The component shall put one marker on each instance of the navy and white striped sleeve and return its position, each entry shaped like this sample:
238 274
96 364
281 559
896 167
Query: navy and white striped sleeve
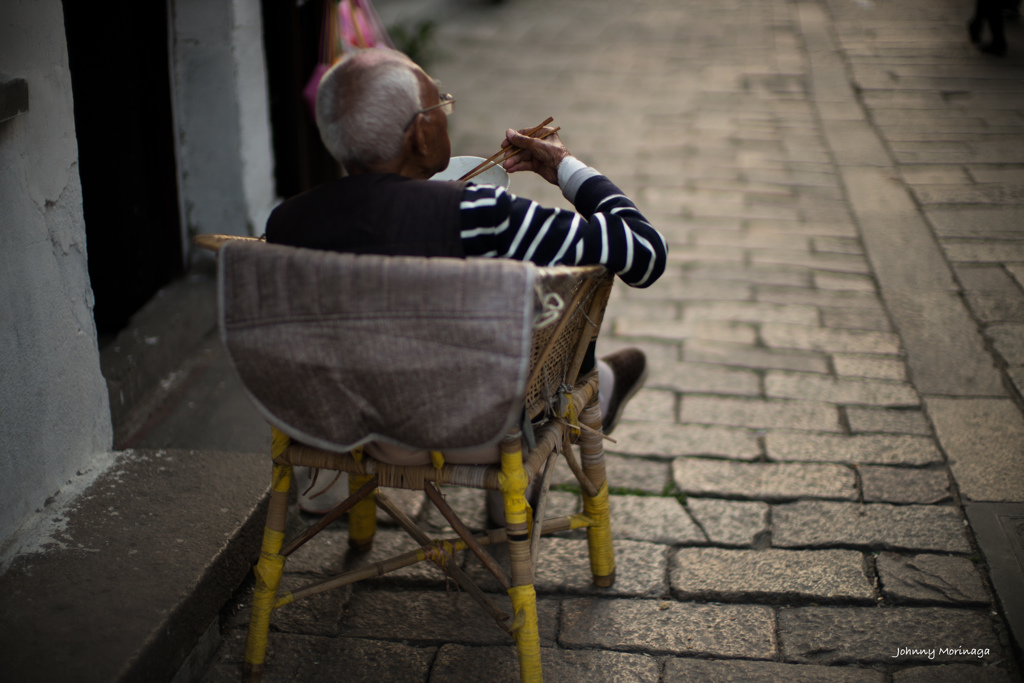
608 230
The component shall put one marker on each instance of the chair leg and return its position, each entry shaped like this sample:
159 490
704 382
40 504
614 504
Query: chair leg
362 518
268 573
599 534
524 597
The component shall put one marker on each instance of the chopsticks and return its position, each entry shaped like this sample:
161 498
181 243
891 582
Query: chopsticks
508 152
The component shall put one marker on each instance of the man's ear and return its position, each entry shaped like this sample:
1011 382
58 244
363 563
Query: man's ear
420 134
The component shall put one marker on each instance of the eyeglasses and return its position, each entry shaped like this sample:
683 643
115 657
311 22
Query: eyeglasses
447 105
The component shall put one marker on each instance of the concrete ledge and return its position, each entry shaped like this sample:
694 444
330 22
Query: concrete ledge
149 555
152 347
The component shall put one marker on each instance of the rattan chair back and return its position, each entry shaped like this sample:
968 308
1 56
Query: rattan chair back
337 350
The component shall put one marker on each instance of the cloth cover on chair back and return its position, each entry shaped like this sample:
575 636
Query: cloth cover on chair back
337 350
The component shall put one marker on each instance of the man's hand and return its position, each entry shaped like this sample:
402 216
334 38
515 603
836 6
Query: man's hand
540 156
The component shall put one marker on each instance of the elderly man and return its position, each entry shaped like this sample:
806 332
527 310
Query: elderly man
385 121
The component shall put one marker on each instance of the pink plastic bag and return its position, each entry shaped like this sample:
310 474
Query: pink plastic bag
309 92
348 25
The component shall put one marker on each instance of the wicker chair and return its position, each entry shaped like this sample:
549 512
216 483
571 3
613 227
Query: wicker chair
340 352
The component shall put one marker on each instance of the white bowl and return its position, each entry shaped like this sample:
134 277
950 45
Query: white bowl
459 166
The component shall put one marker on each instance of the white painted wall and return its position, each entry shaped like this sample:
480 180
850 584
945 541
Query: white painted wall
223 125
257 151
55 427
54 411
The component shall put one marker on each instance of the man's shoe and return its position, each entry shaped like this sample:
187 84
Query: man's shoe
629 367
997 49
974 31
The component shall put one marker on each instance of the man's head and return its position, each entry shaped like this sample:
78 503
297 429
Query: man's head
369 112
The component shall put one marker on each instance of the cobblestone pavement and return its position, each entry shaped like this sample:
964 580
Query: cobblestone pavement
837 179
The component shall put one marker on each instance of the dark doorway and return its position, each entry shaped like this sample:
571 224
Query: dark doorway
118 55
291 39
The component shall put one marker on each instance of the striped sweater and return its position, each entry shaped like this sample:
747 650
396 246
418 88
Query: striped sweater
607 228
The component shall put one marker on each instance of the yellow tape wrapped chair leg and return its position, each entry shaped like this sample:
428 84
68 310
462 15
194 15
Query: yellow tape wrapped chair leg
344 353
270 566
362 519
599 533
513 483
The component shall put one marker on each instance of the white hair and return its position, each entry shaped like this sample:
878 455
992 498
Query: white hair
363 104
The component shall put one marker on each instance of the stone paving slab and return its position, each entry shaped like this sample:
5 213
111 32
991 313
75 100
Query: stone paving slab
840 245
642 308
413 502
763 481
843 282
1006 337
317 615
877 367
456 664
984 252
708 330
669 441
982 438
830 340
632 473
467 504
692 289
652 405
770 575
641 569
656 519
679 670
730 522
435 618
991 293
975 221
562 504
865 420
753 274
931 578
846 390
1016 376
904 485
669 627
843 263
875 526
760 414
755 357
874 449
625 472
704 378
747 238
751 312
315 660
821 298
324 554
856 319
388 543
887 635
